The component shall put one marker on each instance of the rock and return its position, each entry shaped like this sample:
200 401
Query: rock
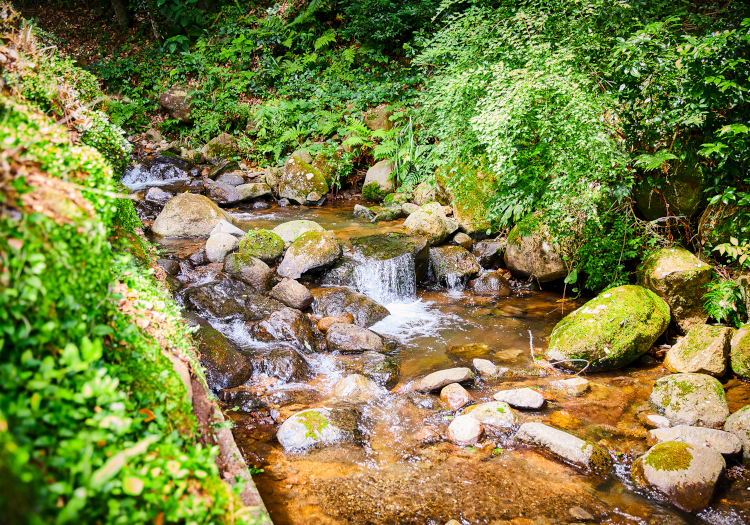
271 176
352 338
424 193
177 102
396 200
455 396
379 118
378 182
364 212
233 178
486 369
452 264
219 146
382 213
494 416
476 198
287 325
227 299
198 258
704 350
566 446
408 208
157 196
261 244
681 193
686 475
725 443
651 420
575 387
319 427
286 364
357 389
290 231
373 365
338 300
224 227
680 278
740 353
297 179
489 254
220 244
224 366
463 240
469 351
492 283
610 331
253 190
720 222
325 323
533 254
222 193
464 431
312 250
430 225
563 419
451 226
189 215
261 205
690 399
739 425
170 266
253 271
153 135
580 514
303 155
442 378
292 294
524 398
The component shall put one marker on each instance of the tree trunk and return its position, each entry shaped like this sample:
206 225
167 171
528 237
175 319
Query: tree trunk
121 12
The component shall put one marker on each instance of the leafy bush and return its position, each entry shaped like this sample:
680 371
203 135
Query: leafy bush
108 139
724 302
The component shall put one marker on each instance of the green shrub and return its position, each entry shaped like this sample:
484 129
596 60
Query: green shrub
109 139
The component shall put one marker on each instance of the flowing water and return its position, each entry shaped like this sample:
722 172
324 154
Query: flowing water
398 474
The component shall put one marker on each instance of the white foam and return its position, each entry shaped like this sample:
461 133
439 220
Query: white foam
415 320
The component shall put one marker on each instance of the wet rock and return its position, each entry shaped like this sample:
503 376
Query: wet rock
380 253
455 396
563 419
724 443
690 399
610 331
287 325
489 254
357 389
290 231
463 240
338 300
464 431
253 190
233 178
533 254
261 244
580 514
253 271
157 196
493 284
261 205
373 365
486 369
494 416
686 475
566 446
452 264
427 224
170 266
740 353
385 213
312 250
189 215
364 212
469 351
225 227
227 299
408 208
177 102
739 425
319 427
427 436
442 378
378 181
297 180
325 323
704 350
292 294
224 366
680 278
198 258
286 364
575 387
352 338
219 245
651 420
524 398
223 193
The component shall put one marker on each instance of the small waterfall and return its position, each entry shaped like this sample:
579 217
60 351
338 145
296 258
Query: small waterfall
453 282
156 172
386 281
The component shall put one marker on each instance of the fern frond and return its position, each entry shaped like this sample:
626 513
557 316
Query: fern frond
349 54
325 39
385 150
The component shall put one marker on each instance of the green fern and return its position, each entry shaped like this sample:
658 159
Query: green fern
385 150
349 54
325 39
724 302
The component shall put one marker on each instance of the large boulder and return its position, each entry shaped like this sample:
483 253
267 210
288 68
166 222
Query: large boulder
227 299
378 182
177 102
680 194
189 215
339 300
426 192
610 331
491 283
301 183
261 244
566 446
453 265
739 355
253 271
472 204
352 338
704 350
224 366
428 224
684 474
319 427
739 425
690 399
313 250
489 254
531 253
286 325
680 278
290 231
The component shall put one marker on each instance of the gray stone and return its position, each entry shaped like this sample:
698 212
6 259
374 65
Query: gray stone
228 299
486 369
290 231
494 416
287 325
464 431
292 293
233 178
219 146
312 250
566 446
442 378
189 215
373 365
177 102
319 427
408 208
489 254
724 443
224 227
451 226
335 300
364 212
690 399
352 338
704 350
157 196
170 266
739 425
286 364
253 271
253 190
220 244
740 352
575 387
492 284
525 398
380 174
153 135
452 264
430 225
463 240
224 366
297 179
357 388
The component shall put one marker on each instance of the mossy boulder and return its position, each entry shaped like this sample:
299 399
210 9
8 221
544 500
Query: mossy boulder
610 331
530 252
319 427
290 231
683 474
253 271
428 224
739 425
690 399
704 350
260 244
477 195
378 182
300 182
678 277
453 265
396 199
219 146
313 250
372 192
739 356
189 215
682 193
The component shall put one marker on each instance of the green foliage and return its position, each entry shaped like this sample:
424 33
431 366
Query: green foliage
735 251
109 139
724 302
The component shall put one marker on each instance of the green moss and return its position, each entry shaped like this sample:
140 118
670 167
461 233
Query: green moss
395 199
260 244
373 192
314 423
670 456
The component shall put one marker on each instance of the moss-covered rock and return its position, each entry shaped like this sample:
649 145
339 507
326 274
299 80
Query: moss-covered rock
312 250
739 425
690 399
225 367
290 231
530 252
261 244
189 215
740 353
378 182
610 331
319 427
678 277
704 350
253 271
372 192
472 191
679 194
299 182
396 199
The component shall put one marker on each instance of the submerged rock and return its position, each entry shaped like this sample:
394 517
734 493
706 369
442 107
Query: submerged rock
530 253
724 443
287 325
442 378
575 387
610 331
704 350
739 425
224 366
253 271
292 294
566 446
680 278
352 338
469 351
339 300
298 181
524 398
357 388
455 396
227 299
686 475
189 215
690 399
464 431
310 251
319 427
492 283
494 416
290 231
373 365
740 353
452 264
261 244
286 364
